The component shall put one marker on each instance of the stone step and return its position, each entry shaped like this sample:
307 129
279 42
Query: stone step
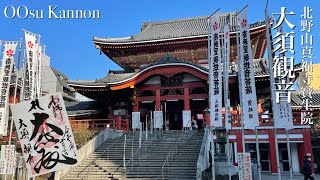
109 157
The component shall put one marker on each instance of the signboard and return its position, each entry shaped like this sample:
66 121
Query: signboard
158 119
7 159
244 166
44 131
135 120
186 116
200 116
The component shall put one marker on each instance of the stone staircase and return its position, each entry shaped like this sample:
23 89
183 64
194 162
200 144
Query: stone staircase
104 163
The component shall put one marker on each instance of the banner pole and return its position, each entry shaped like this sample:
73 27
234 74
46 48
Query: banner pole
289 153
239 81
15 90
212 155
277 153
210 94
146 127
258 153
228 155
23 75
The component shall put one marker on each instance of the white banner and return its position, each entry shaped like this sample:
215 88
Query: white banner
247 81
282 112
135 120
215 74
7 159
31 66
226 76
158 119
38 72
244 166
45 135
5 78
186 116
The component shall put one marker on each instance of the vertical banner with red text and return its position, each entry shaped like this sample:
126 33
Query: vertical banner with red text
247 81
248 93
215 74
6 70
226 75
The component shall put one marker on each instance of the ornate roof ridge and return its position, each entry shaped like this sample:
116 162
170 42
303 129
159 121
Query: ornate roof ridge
167 59
173 29
174 20
195 18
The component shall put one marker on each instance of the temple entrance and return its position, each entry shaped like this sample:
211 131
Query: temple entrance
173 119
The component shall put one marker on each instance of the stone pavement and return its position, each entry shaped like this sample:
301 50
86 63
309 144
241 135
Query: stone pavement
286 176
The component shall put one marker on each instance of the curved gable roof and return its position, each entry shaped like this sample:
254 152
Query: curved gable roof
171 29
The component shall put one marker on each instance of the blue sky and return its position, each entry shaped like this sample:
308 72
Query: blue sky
69 42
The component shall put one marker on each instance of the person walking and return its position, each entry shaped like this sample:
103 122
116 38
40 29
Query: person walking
199 124
306 170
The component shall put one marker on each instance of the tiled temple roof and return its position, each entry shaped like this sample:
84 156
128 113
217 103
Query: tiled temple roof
178 28
87 83
115 76
62 78
260 69
297 98
81 108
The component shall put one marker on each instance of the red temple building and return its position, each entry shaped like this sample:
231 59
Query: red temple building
165 67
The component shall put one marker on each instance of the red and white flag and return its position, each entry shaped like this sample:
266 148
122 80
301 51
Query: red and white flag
247 81
6 69
215 74
282 112
30 66
226 59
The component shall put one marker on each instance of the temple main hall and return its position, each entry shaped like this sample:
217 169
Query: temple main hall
165 68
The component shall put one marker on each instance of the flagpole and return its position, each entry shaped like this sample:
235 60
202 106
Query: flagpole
15 91
258 153
289 153
239 81
225 88
210 94
274 108
277 153
228 155
38 68
24 68
238 12
14 100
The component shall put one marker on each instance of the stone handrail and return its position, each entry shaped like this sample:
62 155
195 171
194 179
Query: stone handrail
88 148
203 159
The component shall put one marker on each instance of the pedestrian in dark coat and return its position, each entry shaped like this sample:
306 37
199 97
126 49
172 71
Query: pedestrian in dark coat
306 170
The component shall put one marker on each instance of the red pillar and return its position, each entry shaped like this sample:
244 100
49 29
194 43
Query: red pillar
273 155
301 154
207 116
186 99
119 123
136 106
239 141
158 102
136 101
307 145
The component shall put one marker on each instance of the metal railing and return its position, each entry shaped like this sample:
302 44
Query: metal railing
173 150
94 161
203 159
134 154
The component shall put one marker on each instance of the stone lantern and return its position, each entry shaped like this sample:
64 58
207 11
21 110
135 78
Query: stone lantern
221 134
